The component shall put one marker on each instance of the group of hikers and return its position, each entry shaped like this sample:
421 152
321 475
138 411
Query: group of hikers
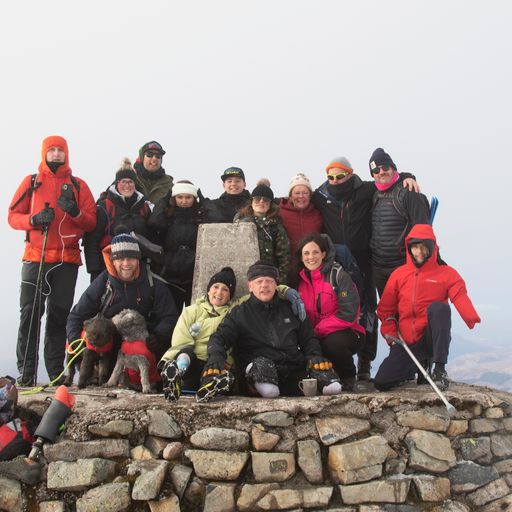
324 254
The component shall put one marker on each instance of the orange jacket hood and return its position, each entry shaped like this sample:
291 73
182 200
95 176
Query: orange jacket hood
50 142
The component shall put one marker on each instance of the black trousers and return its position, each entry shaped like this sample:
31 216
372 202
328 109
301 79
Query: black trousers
433 347
56 296
339 347
381 275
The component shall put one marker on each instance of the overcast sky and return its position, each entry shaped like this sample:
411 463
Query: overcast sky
275 87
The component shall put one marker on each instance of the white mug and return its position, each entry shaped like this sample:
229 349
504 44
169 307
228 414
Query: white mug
308 387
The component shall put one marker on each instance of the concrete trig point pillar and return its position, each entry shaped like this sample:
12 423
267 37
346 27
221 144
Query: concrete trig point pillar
224 245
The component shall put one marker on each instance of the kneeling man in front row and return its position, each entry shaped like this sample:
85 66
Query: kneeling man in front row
273 350
414 306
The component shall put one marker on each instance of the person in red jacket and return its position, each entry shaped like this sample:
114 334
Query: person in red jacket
415 306
55 202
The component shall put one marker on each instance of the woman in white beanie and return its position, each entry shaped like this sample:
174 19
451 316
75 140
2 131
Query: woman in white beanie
175 221
300 217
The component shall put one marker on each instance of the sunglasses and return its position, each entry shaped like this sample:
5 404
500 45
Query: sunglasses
341 175
150 154
259 199
379 168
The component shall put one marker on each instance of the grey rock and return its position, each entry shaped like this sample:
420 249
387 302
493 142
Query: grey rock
501 445
272 467
274 419
424 419
173 451
114 428
451 506
150 477
105 498
494 412
477 449
195 493
317 496
492 491
163 425
214 438
169 504
468 476
79 475
392 490
395 466
252 493
503 466
71 451
429 451
180 476
11 498
507 424
281 499
214 465
219 498
358 461
156 445
501 505
334 429
457 427
484 425
309 460
263 441
286 444
52 506
432 488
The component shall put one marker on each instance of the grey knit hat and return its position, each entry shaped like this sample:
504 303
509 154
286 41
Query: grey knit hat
124 246
262 269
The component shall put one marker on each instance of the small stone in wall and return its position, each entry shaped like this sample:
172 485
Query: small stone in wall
281 499
116 495
214 465
467 476
252 493
263 441
501 445
501 505
477 449
272 467
71 451
507 424
169 504
395 466
274 419
141 453
151 475
180 476
219 498
173 451
156 445
162 424
457 427
429 451
494 412
215 438
316 497
492 491
484 425
52 506
424 419
432 488
11 498
309 459
114 428
451 506
391 490
334 429
503 466
195 493
77 476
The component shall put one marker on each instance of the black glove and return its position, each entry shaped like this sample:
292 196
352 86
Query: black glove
213 367
68 205
319 363
43 218
292 296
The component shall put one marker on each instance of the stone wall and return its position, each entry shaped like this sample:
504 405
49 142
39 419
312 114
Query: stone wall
355 452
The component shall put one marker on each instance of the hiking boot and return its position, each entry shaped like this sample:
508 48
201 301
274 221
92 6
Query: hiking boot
22 469
349 383
171 381
421 379
220 384
25 381
363 369
440 377
58 381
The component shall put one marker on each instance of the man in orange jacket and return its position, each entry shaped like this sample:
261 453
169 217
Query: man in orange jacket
414 305
55 209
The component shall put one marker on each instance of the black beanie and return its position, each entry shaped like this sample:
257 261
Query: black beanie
225 276
262 269
380 157
263 191
126 171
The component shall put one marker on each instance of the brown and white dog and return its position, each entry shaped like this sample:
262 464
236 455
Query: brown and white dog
136 364
99 353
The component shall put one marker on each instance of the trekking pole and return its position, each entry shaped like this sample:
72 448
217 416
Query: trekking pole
449 407
37 297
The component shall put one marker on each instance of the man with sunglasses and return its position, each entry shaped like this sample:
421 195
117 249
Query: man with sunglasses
345 202
151 178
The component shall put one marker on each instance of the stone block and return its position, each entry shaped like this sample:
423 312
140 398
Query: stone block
180 476
395 466
219 498
360 459
494 413
309 460
250 494
11 497
317 497
334 429
476 448
52 506
501 445
501 505
79 475
507 424
150 477
169 504
141 453
424 420
451 506
223 241
107 498
274 419
391 490
484 425
432 488
114 428
503 466
214 465
457 427
71 451
156 445
214 438
429 451
467 476
492 491
173 451
195 493
263 441
281 499
272 467
162 424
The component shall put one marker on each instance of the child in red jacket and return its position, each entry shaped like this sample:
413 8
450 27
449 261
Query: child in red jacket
414 305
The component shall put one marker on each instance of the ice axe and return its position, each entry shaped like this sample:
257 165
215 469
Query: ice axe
449 407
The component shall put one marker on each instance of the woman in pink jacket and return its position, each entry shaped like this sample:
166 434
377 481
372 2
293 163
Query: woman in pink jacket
332 304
